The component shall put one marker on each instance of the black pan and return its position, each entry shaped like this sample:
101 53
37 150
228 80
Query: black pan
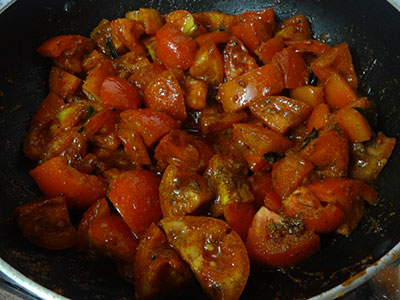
371 27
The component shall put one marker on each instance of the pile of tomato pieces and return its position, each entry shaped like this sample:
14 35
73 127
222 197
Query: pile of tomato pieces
196 144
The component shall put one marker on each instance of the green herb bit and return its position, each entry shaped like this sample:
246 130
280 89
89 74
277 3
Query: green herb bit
312 136
111 49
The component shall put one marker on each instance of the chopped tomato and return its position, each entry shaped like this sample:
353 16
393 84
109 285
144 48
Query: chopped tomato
252 86
271 242
296 28
158 270
174 48
312 46
151 124
46 223
95 79
215 253
208 64
312 95
267 16
213 119
289 173
218 37
269 48
117 93
294 69
135 196
319 118
280 113
252 33
337 92
239 217
63 83
165 94
183 192
97 210
110 236
55 177
183 20
134 146
263 190
142 77
195 92
215 20
354 124
129 32
152 20
316 217
237 59
182 149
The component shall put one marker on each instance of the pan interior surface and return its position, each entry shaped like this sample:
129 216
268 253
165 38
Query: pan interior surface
368 26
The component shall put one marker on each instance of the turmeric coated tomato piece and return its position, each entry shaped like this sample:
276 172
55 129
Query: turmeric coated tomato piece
95 79
277 242
110 236
118 93
183 192
195 92
214 119
214 251
268 49
134 146
208 64
218 37
174 48
164 94
310 46
97 210
62 83
319 117
280 113
182 149
229 183
55 177
237 59
250 87
151 124
215 20
129 32
337 92
267 16
312 95
46 223
239 216
252 33
158 269
295 29
134 194
183 20
354 124
264 192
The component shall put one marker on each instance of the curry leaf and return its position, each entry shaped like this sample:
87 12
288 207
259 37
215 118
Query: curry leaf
313 135
111 48
89 114
273 157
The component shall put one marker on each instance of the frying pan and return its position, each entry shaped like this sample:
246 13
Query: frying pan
369 26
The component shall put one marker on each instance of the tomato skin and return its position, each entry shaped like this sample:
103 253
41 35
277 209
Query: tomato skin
338 93
268 49
312 46
320 116
252 33
354 125
239 216
295 29
218 37
63 83
277 248
117 93
55 177
151 124
46 223
112 237
164 94
135 196
134 146
174 48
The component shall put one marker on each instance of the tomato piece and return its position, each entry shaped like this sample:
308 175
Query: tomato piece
294 69
239 216
280 113
208 64
215 253
369 159
252 86
272 243
267 16
144 75
117 93
354 124
216 20
289 173
151 124
55 46
237 59
316 217
135 196
338 93
129 32
97 210
347 194
269 48
102 122
296 28
183 20
213 119
218 37
165 94
311 46
252 33
174 48
229 182
330 152
104 36
312 95
134 146
110 236
95 79
182 149
158 270
195 92
152 20
63 83
259 139
92 60
38 137
319 118
55 177
46 223
183 192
